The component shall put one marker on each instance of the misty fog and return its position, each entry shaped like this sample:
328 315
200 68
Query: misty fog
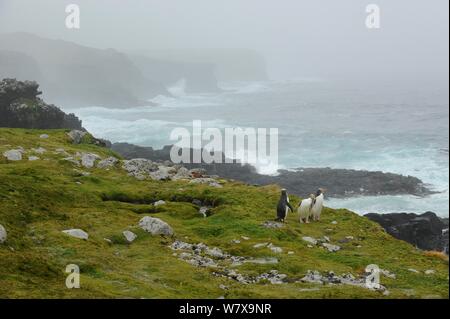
298 39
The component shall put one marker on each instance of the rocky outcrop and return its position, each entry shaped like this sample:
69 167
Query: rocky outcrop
426 231
20 107
301 182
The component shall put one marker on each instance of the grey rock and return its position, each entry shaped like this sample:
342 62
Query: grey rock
129 236
13 155
275 249
76 136
331 247
77 233
310 240
107 162
44 136
3 234
39 150
180 245
88 159
159 203
155 226
33 158
271 224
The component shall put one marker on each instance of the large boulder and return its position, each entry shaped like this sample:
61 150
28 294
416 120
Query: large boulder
155 226
3 234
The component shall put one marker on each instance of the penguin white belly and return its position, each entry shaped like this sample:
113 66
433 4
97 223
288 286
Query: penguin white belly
305 208
287 207
316 210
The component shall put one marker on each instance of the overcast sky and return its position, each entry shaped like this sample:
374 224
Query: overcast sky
299 38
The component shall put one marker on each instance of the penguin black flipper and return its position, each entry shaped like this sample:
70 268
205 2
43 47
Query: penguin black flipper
290 206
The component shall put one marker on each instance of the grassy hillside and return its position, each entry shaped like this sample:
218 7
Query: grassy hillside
39 199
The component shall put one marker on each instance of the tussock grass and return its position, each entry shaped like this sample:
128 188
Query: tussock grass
40 199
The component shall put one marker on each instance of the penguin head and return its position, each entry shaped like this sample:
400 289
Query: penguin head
320 191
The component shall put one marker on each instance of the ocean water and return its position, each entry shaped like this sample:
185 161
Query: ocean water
321 124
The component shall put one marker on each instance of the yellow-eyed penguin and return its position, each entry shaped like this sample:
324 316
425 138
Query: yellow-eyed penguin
304 210
316 210
283 206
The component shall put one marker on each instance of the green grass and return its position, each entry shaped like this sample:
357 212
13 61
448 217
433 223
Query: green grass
40 199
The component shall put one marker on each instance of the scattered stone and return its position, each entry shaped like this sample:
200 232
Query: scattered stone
108 162
272 224
215 252
109 241
275 249
204 211
155 226
159 203
331 248
3 234
72 160
310 240
177 245
414 270
139 167
210 181
223 287
77 233
33 158
183 173
334 222
129 236
245 238
13 155
162 174
430 272
236 241
39 150
44 136
76 136
388 274
197 260
88 159
262 261
316 277
290 252
260 245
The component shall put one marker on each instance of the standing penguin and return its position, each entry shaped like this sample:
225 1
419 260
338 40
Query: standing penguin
316 209
283 206
304 210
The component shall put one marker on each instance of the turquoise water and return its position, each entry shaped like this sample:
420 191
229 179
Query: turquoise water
321 124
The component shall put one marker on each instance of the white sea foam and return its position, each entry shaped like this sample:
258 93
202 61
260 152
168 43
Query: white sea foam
319 126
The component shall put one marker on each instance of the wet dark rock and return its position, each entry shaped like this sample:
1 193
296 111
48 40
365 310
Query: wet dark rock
340 183
21 107
426 231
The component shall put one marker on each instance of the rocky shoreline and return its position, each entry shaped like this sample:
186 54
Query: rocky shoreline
340 183
425 231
